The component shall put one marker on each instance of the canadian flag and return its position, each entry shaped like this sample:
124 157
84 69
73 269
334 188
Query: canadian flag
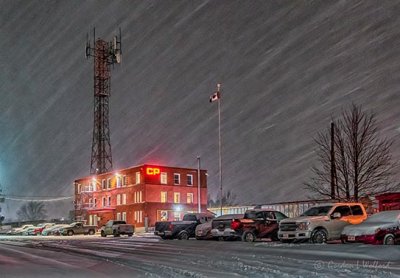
215 96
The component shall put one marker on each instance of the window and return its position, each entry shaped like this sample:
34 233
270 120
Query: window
118 216
90 202
103 184
177 178
189 198
108 183
94 203
118 178
124 199
163 196
177 216
344 210
177 197
357 210
163 178
104 201
139 216
118 199
124 180
189 179
137 177
78 188
137 197
124 216
109 200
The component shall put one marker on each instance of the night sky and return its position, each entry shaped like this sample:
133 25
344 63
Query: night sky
286 68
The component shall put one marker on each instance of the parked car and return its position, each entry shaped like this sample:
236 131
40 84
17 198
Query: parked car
20 230
380 228
38 230
77 228
117 228
53 230
203 231
184 229
227 227
261 223
321 223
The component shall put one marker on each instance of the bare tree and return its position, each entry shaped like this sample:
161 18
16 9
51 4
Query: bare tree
362 160
228 199
32 211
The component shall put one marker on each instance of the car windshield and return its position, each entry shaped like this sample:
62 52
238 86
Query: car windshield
253 214
189 217
386 216
317 211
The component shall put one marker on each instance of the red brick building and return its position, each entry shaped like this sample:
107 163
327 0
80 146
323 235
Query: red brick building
139 195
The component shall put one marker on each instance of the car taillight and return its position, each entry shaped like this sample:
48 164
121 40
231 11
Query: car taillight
236 224
170 227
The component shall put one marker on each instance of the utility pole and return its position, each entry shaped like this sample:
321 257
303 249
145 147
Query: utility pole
333 162
198 185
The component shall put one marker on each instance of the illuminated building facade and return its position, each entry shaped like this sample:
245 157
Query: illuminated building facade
139 195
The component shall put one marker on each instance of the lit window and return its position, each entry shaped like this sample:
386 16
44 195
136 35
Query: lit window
140 197
124 199
94 202
163 178
135 197
90 202
108 183
118 216
177 178
177 197
103 184
124 216
118 178
189 179
124 180
104 201
163 197
109 200
118 199
137 177
189 198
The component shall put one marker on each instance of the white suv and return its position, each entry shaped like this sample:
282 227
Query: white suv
321 223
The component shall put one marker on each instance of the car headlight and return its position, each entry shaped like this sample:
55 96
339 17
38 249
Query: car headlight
303 225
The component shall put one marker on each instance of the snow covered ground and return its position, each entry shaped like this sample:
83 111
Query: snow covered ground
148 256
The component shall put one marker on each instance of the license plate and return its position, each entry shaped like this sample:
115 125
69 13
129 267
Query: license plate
285 235
351 238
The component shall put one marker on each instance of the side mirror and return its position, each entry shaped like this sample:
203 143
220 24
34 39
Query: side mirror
336 215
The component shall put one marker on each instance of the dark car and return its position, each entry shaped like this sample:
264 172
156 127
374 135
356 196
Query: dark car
184 229
380 228
227 226
261 223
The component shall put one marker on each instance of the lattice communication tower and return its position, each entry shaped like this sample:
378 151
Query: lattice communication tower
105 54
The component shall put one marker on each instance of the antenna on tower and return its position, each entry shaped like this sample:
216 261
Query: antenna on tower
104 55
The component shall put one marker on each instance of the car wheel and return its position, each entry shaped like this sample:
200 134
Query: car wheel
91 232
103 234
389 239
249 237
184 236
319 236
70 233
275 237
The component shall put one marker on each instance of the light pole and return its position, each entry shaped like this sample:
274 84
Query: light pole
198 184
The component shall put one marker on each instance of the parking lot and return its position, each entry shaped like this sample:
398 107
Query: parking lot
145 255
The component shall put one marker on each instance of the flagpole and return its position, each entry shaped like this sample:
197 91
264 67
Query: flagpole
219 144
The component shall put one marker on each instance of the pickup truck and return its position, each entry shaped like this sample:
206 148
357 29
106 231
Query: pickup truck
184 229
77 228
117 228
321 223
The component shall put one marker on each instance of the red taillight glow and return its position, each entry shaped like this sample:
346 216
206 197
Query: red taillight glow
236 224
171 227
